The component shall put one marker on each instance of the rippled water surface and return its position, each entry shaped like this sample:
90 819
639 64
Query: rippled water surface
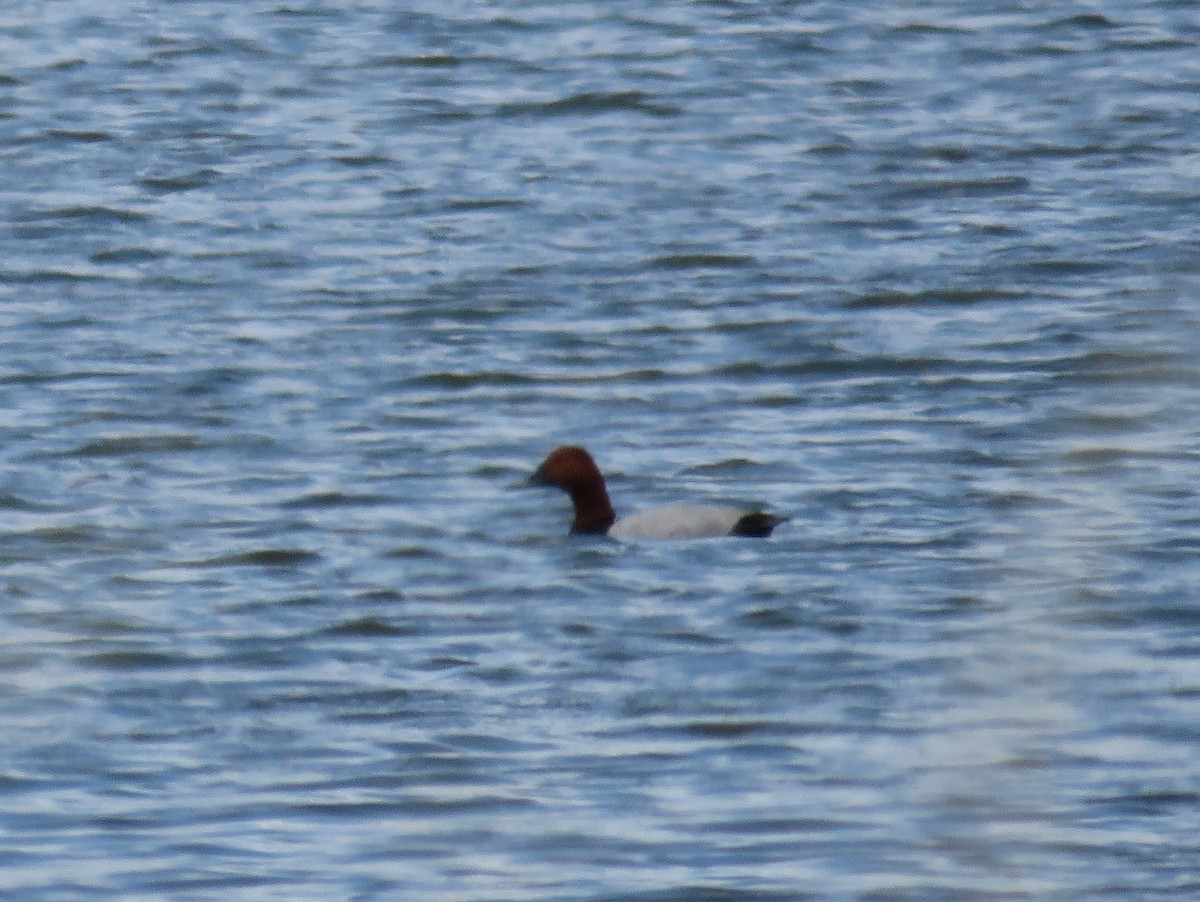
293 292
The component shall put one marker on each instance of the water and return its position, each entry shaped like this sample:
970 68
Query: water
293 292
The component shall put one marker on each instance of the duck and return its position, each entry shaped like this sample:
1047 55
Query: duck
573 469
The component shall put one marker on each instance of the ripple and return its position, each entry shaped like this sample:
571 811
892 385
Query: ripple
264 557
591 103
182 181
83 136
700 261
369 627
13 502
883 300
92 215
331 499
127 255
125 445
770 619
133 660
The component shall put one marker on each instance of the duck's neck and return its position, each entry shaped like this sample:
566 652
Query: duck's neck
593 510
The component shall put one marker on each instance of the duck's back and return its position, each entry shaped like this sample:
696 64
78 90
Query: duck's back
687 521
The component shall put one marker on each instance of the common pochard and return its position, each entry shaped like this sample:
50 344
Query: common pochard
573 470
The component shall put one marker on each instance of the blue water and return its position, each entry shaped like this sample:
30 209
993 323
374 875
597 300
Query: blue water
293 292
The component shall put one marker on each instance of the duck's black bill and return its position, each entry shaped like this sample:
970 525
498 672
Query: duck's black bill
537 479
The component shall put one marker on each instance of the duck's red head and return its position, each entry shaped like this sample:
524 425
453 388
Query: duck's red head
573 470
